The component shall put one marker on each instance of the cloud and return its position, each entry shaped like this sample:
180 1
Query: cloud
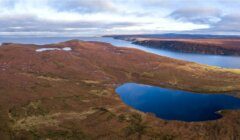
30 23
202 15
99 17
84 6
229 24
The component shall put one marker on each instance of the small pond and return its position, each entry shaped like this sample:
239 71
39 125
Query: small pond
172 104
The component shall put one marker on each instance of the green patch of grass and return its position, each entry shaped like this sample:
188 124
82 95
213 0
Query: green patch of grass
101 92
67 134
31 109
121 118
59 64
106 111
167 137
147 74
91 82
137 126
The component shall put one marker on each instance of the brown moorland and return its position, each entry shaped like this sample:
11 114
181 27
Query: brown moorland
70 94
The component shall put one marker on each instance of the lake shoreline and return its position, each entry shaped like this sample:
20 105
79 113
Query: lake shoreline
171 104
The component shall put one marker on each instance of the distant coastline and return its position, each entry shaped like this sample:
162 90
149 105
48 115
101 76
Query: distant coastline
201 44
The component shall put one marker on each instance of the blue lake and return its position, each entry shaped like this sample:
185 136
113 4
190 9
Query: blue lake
172 104
214 60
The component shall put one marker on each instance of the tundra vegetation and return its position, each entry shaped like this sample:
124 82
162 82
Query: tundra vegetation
71 94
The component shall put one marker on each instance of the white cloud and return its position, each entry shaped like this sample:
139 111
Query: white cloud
204 15
98 17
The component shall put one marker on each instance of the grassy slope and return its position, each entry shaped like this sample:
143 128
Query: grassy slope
70 95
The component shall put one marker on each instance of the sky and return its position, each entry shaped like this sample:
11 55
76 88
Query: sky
106 17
